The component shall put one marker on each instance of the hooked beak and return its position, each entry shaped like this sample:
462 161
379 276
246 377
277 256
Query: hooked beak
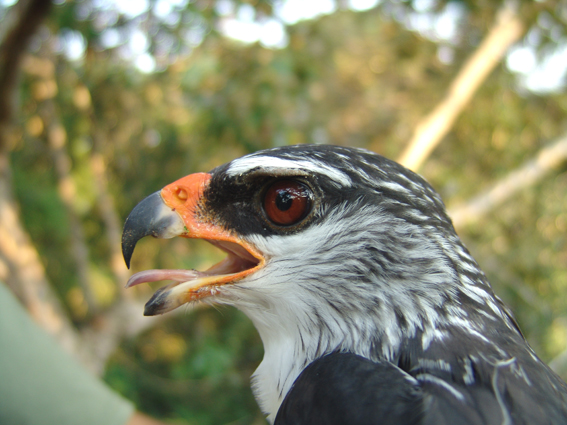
150 217
178 210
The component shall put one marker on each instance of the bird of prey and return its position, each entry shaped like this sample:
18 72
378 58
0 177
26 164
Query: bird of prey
370 308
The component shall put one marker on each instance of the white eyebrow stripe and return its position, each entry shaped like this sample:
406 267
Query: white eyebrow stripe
243 165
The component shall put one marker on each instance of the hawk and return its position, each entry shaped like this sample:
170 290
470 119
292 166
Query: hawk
370 308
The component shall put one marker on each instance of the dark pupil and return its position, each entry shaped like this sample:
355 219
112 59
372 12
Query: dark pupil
284 199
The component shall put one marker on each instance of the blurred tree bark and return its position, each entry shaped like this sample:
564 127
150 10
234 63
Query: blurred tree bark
507 29
20 266
20 24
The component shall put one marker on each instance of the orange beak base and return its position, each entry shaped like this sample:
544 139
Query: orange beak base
178 210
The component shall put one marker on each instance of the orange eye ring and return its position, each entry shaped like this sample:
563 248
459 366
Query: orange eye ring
287 202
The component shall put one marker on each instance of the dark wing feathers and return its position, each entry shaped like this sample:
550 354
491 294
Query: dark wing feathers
504 398
345 389
478 406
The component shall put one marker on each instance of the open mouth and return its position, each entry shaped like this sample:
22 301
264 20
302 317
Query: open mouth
193 285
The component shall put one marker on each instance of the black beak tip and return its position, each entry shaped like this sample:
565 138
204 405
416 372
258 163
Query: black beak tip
127 249
158 303
127 261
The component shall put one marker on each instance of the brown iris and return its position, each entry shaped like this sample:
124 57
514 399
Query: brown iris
287 202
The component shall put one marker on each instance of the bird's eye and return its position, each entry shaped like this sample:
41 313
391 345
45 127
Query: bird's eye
287 202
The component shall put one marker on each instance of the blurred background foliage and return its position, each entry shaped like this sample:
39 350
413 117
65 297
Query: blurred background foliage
116 101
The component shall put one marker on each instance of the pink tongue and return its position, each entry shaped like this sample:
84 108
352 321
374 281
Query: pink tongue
155 275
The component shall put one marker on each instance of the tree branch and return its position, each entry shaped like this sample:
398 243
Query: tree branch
20 24
22 271
429 132
547 160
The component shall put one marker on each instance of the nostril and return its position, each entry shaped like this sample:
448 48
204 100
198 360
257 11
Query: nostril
181 194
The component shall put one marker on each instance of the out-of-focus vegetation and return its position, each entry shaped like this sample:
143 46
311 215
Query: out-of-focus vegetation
94 134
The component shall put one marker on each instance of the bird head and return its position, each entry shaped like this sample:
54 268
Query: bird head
308 229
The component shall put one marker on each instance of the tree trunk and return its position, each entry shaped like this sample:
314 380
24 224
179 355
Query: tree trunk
20 266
